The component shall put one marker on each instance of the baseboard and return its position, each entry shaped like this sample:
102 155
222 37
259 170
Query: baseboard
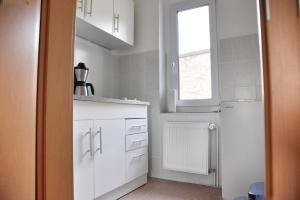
124 189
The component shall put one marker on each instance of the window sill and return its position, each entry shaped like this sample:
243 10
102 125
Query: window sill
196 109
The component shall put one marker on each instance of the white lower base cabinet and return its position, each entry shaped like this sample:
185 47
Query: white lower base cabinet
110 158
110 150
83 162
136 163
99 158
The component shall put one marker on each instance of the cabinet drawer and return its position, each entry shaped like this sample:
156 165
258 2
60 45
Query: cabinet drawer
136 163
136 126
136 141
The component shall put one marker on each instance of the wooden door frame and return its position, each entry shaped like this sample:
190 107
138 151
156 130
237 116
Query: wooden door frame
54 156
267 97
267 27
54 108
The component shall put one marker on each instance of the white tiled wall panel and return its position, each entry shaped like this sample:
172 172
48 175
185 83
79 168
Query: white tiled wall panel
240 73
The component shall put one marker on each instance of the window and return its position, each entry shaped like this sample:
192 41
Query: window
194 53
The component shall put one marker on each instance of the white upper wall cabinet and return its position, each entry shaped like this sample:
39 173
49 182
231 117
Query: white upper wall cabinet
80 9
109 23
100 14
124 20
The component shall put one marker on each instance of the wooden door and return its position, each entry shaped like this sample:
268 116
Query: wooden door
83 162
19 42
55 95
281 34
109 155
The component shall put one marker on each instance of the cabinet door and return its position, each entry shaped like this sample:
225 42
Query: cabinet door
136 163
109 156
100 14
80 8
83 160
124 20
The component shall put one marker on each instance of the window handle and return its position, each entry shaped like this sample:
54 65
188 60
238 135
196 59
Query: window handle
173 67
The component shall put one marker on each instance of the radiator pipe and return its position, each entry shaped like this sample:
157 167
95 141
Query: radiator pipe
217 171
214 127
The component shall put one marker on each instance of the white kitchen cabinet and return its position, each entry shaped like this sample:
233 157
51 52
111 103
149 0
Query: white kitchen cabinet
100 14
80 8
109 155
136 141
109 23
136 163
124 20
104 169
83 160
136 126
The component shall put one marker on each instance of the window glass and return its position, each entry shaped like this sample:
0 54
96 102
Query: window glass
195 81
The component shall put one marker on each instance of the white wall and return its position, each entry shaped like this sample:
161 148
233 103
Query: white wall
242 126
104 67
236 18
146 27
142 74
139 78
239 64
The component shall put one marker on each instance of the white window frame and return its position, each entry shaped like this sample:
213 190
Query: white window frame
214 101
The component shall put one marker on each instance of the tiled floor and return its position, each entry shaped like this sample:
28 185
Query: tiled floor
157 189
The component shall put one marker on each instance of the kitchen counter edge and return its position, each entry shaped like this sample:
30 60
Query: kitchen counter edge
109 100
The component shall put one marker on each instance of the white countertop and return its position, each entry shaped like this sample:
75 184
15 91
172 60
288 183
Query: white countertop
109 100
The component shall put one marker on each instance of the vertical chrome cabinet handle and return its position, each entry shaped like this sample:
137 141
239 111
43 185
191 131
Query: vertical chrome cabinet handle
91 8
116 22
101 146
80 5
91 142
100 139
90 12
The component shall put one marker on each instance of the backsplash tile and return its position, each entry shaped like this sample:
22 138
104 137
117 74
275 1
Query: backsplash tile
246 92
240 71
104 67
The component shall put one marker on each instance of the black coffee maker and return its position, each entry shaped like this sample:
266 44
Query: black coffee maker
80 84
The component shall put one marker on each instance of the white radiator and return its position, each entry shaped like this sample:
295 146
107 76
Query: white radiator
186 147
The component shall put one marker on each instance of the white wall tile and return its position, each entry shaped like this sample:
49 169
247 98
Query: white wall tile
240 71
245 93
104 67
